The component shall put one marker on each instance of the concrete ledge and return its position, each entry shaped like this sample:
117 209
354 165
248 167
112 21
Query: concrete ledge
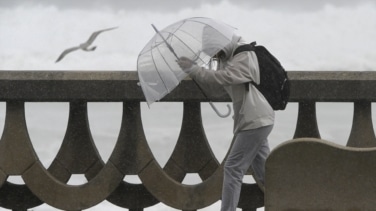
312 86
312 174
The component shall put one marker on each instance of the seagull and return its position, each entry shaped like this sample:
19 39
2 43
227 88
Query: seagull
84 46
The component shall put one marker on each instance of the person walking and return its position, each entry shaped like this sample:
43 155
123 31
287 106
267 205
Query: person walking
253 116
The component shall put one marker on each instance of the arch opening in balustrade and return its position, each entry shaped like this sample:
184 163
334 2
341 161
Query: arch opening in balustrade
46 121
284 125
2 117
334 121
192 179
218 131
249 179
16 179
105 120
162 124
77 179
132 179
373 110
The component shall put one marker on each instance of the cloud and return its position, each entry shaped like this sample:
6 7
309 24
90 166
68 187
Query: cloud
330 38
173 5
111 4
301 5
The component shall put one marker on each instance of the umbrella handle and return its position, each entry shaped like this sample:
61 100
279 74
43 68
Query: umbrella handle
218 113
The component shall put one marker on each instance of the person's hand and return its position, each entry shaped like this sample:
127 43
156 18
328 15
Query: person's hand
185 63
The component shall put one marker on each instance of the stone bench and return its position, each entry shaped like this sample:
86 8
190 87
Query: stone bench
313 174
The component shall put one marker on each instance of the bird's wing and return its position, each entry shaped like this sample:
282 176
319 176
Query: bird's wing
65 52
95 34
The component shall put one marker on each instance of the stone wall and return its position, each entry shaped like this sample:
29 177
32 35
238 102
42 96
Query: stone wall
132 155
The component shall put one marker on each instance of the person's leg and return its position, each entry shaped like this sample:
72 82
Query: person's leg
242 153
258 165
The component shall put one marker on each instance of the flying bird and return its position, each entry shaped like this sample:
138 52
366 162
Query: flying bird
84 46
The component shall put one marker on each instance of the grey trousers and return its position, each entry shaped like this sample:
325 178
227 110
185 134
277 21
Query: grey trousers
250 149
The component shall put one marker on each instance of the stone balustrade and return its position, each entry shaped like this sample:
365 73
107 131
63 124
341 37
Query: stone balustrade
132 156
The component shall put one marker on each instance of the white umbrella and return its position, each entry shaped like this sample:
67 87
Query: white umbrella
198 39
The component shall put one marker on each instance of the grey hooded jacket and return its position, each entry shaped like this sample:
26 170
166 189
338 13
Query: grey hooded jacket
251 110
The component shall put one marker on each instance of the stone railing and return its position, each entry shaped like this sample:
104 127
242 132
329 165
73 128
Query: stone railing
132 155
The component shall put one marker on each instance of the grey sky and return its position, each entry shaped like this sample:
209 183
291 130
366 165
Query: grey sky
171 5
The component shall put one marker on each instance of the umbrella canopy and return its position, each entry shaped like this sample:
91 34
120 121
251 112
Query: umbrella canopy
198 39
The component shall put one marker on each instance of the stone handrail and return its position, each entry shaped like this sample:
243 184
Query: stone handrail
132 155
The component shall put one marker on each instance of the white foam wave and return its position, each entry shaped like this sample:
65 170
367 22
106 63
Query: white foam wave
330 38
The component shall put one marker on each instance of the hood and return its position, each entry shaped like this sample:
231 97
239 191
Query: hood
213 41
230 48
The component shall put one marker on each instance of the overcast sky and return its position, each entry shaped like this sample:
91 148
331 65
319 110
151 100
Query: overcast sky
171 5
34 32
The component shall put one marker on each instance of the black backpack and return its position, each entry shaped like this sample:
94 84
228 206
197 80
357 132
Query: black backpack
274 83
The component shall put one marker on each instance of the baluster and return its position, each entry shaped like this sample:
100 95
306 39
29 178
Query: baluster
306 125
171 192
78 151
16 155
130 155
77 155
16 149
362 133
192 150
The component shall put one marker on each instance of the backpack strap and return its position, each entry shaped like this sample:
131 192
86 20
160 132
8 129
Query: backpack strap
247 47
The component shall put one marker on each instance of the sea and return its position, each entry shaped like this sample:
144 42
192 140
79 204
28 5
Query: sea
328 38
